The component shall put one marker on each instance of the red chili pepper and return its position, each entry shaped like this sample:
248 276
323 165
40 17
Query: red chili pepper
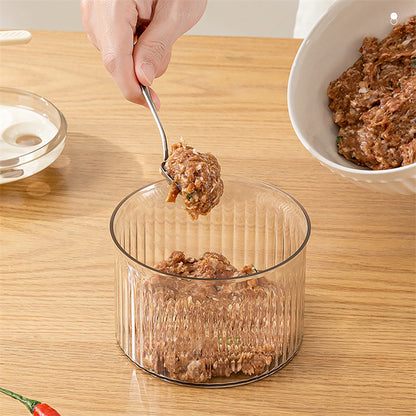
35 407
42 409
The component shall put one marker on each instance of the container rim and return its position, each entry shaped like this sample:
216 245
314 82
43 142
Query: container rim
48 146
230 177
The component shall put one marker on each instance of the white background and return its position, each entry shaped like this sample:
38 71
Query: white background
263 18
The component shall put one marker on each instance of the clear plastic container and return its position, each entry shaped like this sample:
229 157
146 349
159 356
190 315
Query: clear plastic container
211 332
32 134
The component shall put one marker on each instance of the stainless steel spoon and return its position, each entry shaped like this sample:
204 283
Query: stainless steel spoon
148 98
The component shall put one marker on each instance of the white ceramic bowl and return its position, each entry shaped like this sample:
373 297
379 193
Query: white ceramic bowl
331 48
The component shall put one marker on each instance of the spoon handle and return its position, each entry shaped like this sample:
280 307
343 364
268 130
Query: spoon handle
148 98
14 37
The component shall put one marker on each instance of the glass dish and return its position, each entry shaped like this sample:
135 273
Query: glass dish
211 332
32 134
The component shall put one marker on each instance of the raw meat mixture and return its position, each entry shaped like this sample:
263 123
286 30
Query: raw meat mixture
209 266
374 101
198 175
195 329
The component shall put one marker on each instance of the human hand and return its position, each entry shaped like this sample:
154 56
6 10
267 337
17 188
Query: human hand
111 26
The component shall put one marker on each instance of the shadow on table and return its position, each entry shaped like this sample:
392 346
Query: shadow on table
89 175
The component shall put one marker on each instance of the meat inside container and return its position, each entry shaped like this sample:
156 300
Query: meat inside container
205 327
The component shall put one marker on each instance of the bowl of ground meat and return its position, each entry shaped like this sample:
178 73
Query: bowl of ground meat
213 301
352 93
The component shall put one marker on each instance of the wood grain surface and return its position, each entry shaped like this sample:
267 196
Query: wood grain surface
226 96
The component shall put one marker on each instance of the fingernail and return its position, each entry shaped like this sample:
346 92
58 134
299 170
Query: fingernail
148 71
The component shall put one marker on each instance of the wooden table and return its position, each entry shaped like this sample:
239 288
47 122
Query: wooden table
223 95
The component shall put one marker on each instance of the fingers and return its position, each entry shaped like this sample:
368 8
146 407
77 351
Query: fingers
171 19
121 68
154 46
111 25
155 98
151 55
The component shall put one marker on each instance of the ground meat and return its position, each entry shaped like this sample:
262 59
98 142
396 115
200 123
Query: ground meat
198 175
374 101
209 266
195 329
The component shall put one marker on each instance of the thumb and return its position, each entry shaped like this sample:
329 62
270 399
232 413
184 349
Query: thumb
152 51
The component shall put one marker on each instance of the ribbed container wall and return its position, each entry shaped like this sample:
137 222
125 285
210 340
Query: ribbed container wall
211 332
